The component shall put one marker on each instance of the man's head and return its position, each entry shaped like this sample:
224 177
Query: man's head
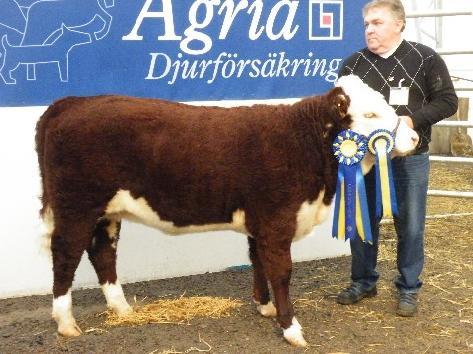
384 22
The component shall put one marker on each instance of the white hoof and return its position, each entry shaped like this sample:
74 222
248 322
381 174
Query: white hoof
268 310
116 299
69 329
62 313
293 334
123 311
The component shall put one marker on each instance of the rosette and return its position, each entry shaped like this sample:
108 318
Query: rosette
380 144
351 207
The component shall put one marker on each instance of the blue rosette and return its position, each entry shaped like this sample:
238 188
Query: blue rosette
380 144
351 207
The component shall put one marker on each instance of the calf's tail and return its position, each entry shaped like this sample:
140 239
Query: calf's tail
41 127
53 112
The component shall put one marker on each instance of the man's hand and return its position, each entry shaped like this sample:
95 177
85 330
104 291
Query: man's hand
408 121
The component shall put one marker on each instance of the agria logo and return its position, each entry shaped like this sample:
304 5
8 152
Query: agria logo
270 20
325 19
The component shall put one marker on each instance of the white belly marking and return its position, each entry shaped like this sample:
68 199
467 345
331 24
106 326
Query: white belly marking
123 205
309 215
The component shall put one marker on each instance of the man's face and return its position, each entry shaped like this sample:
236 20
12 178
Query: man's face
382 30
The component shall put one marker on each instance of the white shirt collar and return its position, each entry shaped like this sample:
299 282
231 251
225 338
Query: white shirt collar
390 52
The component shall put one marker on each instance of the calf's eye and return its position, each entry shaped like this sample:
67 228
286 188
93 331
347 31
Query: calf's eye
370 115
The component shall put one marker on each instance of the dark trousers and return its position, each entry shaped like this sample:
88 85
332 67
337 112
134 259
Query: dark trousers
411 177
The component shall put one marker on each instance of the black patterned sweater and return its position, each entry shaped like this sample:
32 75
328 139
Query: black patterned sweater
431 93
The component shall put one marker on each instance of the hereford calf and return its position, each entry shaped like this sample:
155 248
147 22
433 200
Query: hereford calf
265 171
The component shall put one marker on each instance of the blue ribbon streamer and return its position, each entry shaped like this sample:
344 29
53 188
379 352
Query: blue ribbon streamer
349 173
351 215
353 182
336 211
394 207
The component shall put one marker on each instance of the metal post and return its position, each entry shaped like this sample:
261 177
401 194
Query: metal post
438 13
440 193
438 26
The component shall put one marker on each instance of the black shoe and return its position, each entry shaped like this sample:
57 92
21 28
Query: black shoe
407 306
355 293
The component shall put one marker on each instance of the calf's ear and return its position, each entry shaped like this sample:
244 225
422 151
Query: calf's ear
339 100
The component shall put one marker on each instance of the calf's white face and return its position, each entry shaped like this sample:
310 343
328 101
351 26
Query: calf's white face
370 111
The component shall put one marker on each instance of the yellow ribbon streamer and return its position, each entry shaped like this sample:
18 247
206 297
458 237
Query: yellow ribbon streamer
359 220
384 177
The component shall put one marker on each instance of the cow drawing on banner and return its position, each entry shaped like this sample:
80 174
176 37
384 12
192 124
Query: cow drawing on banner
12 20
28 39
56 52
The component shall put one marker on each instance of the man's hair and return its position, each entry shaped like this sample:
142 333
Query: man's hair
394 6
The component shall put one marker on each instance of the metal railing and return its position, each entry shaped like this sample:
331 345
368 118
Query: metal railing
438 13
456 123
442 51
451 159
464 160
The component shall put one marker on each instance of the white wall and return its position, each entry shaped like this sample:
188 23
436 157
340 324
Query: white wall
143 253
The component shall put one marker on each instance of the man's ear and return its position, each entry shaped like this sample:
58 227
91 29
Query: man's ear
339 101
400 25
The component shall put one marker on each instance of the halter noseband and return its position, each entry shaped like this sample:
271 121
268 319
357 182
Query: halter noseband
396 127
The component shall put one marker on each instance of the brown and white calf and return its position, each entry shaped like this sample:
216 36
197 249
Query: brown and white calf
265 171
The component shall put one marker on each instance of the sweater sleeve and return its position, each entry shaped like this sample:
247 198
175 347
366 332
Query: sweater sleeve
441 96
348 65
344 70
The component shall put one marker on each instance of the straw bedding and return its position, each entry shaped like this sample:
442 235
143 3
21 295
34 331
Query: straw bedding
176 311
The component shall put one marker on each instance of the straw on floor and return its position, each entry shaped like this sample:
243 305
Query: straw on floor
177 311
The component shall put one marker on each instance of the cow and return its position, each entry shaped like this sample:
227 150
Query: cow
266 171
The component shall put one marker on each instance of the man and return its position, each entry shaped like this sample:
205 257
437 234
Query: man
416 83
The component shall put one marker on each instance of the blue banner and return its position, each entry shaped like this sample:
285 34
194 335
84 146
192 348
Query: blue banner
181 50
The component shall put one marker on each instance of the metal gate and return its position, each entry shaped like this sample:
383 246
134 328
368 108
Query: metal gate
438 13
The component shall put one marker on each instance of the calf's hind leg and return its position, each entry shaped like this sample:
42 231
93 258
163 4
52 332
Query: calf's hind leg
103 255
260 284
69 240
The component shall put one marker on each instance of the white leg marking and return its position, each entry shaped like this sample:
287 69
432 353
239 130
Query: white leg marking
47 229
293 334
62 313
268 310
112 231
116 299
